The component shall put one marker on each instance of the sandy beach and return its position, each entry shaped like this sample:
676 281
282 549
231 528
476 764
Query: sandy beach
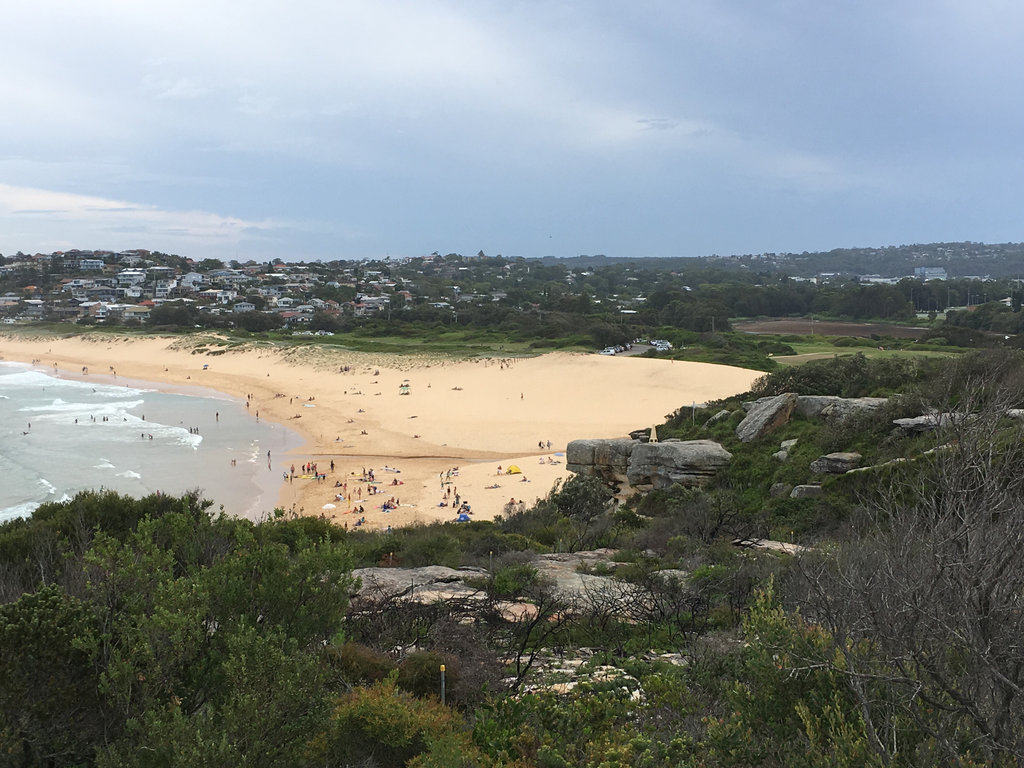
429 428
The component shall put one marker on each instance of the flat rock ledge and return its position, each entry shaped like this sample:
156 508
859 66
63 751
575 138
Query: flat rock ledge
433 583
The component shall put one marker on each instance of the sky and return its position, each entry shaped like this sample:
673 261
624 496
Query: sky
329 129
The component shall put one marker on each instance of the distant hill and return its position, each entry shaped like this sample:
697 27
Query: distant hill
967 259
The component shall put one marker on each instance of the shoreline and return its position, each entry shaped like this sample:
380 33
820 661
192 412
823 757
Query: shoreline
424 415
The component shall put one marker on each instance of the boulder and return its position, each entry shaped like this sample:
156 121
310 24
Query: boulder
688 462
836 408
778 490
784 448
805 492
926 423
722 415
765 415
836 463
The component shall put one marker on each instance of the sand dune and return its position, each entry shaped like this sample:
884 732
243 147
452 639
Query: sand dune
424 416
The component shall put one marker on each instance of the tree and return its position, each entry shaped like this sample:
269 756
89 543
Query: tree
255 322
172 313
581 500
50 708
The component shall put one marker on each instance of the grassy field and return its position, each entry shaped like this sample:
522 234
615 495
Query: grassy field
818 349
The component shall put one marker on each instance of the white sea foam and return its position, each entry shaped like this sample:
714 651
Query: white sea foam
18 510
129 473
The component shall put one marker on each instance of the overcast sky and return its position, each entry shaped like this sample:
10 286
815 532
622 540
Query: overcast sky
331 129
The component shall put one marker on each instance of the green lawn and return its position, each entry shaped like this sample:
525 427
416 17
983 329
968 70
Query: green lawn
819 350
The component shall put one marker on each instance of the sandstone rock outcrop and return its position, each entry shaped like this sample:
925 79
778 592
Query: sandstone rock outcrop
764 415
805 492
436 582
655 465
836 408
926 423
768 413
689 463
608 459
836 463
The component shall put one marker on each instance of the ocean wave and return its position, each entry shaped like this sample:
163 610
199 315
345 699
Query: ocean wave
18 510
32 379
61 406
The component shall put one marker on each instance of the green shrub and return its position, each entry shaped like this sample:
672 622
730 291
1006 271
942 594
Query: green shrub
383 726
512 580
360 665
420 673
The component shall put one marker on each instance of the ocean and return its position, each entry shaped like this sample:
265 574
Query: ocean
59 436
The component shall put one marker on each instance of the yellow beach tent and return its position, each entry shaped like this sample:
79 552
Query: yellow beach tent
513 470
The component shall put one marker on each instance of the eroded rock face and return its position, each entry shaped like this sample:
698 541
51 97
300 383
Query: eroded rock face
836 463
836 408
657 465
765 415
608 459
689 463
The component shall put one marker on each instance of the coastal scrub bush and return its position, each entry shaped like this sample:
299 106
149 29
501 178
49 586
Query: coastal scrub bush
512 580
359 664
419 673
847 376
383 726
50 706
430 546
